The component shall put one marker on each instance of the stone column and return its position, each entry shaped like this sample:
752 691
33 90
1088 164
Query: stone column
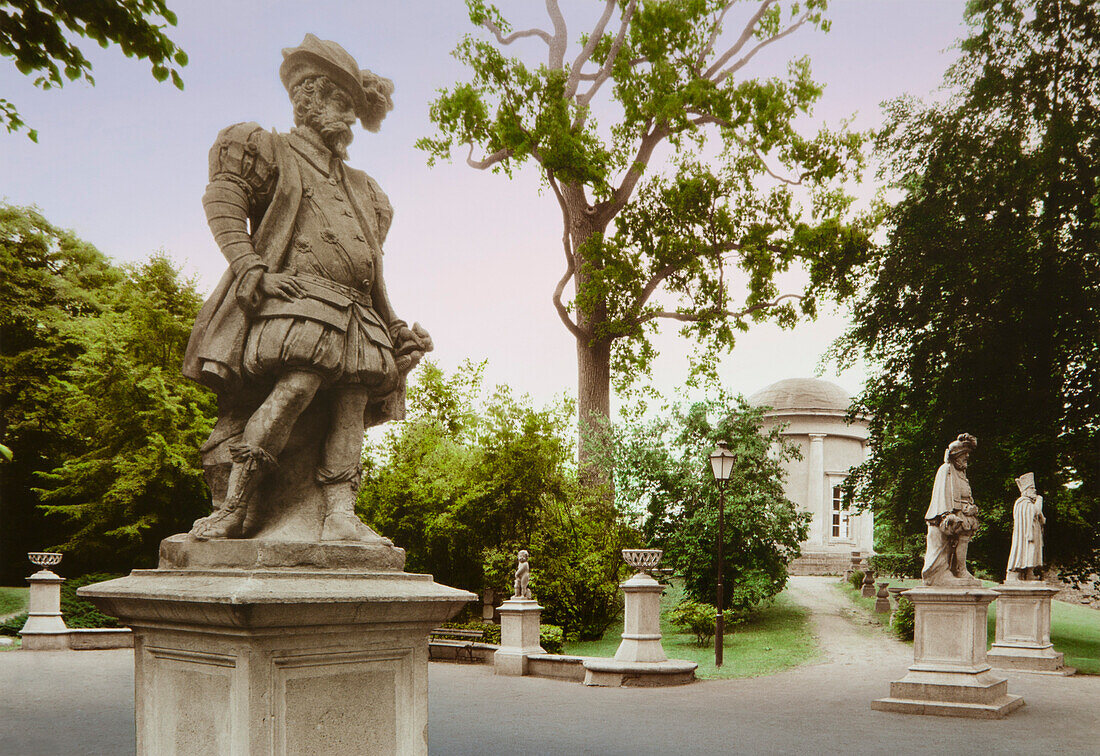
45 629
950 675
1022 641
815 490
298 647
641 621
520 623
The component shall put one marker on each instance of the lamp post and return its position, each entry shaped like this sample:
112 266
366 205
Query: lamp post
721 465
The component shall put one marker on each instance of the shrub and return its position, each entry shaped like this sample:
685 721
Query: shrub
903 620
856 579
551 639
693 616
492 632
898 565
12 625
80 613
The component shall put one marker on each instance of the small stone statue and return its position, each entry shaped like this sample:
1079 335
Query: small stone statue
299 340
951 518
523 575
1026 555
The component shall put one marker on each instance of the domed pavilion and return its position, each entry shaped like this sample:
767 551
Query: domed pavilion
814 412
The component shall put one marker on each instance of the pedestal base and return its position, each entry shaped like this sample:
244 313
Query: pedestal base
520 626
641 638
279 661
1022 641
950 675
44 629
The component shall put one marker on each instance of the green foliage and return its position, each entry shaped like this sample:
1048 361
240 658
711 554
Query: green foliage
982 313
133 474
80 613
12 625
551 639
647 238
469 480
856 579
663 474
51 283
897 565
492 632
692 616
902 621
38 37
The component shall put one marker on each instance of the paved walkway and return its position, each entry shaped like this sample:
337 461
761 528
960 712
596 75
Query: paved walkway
81 702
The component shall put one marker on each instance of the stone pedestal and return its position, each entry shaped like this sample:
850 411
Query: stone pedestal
950 675
44 629
519 636
280 659
641 638
868 588
882 599
1022 641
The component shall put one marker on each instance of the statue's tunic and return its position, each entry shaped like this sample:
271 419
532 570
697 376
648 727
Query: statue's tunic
1027 534
316 219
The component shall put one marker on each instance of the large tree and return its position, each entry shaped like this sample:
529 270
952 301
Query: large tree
737 181
38 36
983 312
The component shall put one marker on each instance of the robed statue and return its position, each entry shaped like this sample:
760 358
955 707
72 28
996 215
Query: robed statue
951 518
299 339
1026 555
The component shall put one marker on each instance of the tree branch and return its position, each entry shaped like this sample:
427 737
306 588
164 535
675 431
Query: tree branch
570 262
560 41
621 195
605 71
589 48
687 317
705 119
491 26
488 162
708 48
746 35
748 56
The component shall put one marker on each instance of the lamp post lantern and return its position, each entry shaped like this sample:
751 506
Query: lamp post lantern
721 465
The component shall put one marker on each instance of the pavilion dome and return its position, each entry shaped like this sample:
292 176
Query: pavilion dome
793 394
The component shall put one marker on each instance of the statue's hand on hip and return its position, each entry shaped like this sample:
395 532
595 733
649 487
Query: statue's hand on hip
281 285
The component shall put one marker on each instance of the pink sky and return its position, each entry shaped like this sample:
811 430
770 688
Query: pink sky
471 255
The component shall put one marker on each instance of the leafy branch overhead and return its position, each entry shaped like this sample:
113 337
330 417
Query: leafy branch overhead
38 36
740 183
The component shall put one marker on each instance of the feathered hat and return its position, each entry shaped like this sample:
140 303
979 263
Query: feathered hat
964 443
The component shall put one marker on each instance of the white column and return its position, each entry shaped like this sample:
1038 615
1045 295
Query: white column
815 494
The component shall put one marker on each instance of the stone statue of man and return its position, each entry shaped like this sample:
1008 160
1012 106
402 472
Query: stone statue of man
951 518
299 340
523 576
1026 554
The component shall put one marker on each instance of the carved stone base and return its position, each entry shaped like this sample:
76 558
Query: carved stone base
182 552
1022 642
950 675
45 629
520 625
641 639
612 673
279 661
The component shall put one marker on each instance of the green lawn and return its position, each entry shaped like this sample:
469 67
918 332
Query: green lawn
1074 630
776 638
13 600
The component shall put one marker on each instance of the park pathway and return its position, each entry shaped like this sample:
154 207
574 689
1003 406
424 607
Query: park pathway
846 636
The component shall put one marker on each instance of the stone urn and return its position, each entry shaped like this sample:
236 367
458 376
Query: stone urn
643 560
882 599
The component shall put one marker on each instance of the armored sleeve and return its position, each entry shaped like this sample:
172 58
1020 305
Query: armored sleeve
383 210
243 174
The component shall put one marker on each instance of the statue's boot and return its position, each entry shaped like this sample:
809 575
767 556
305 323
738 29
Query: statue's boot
960 559
244 483
341 522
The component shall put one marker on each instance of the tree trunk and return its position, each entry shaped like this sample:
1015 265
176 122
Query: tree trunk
593 351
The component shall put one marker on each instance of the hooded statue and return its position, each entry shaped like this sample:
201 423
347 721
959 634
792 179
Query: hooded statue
1026 555
951 518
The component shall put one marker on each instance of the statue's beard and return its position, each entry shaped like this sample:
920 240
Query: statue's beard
336 134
